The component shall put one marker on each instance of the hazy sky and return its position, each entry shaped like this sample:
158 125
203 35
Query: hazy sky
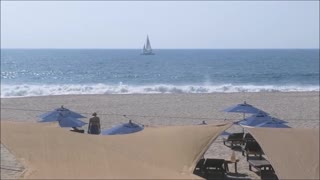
84 24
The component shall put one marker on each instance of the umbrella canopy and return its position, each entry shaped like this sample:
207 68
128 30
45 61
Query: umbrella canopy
262 120
243 108
64 116
274 125
71 122
126 128
54 115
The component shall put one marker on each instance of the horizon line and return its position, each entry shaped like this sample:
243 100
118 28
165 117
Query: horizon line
160 48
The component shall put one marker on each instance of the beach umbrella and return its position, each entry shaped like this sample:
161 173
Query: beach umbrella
55 114
243 108
274 125
64 116
70 122
262 120
126 128
67 121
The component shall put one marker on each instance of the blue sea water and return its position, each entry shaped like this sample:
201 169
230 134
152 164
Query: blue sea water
38 72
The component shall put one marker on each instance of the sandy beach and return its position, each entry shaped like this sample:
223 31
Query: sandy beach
300 109
179 80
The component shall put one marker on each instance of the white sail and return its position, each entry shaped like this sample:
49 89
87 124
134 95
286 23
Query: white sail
148 47
147 50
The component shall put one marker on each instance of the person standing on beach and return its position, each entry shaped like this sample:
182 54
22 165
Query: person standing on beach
94 125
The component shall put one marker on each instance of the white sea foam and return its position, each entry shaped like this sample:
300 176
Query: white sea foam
45 90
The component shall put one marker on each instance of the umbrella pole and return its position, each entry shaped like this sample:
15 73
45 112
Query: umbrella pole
244 117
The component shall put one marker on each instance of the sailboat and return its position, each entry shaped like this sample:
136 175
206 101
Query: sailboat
147 50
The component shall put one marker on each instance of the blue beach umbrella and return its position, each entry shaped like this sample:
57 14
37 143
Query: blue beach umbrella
243 108
54 115
70 122
64 116
126 128
262 120
274 125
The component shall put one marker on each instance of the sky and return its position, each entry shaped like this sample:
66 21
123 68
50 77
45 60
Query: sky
170 25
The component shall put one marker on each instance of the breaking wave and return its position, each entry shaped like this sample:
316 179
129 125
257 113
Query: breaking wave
46 90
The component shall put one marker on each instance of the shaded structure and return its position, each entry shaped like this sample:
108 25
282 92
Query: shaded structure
155 153
292 152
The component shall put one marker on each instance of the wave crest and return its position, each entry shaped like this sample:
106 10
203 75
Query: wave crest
45 90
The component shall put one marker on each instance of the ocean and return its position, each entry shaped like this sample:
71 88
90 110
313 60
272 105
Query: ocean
42 72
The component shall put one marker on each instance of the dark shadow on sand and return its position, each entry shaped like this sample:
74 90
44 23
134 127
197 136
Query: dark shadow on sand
228 176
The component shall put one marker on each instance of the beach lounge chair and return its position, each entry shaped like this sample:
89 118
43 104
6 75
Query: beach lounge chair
199 169
264 168
248 137
251 147
215 168
234 139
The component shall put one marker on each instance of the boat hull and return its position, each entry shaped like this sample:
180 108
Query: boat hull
147 53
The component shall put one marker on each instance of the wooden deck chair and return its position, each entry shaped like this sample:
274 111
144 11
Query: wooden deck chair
252 147
199 169
248 137
214 168
234 139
